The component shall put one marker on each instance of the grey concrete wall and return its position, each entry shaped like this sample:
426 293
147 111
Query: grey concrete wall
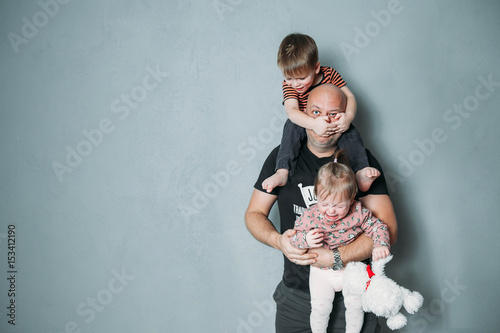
132 133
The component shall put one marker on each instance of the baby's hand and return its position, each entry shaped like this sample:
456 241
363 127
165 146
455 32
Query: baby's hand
380 252
341 123
314 238
322 127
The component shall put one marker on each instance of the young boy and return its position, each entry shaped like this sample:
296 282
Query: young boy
299 62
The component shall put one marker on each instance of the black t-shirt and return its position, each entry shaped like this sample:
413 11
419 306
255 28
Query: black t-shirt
298 194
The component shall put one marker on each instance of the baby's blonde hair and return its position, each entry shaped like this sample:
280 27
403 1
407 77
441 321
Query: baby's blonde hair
297 54
336 179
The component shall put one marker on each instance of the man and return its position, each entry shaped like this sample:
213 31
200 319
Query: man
292 294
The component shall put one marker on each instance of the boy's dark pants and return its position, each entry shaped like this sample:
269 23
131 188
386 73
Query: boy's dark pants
293 136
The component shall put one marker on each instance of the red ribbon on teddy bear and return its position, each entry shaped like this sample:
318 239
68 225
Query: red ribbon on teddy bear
370 274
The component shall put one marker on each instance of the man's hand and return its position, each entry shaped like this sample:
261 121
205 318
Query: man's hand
297 256
314 238
325 257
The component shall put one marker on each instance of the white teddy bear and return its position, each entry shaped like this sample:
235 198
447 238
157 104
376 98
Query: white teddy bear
379 294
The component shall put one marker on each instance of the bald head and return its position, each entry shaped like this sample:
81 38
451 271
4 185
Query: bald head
329 95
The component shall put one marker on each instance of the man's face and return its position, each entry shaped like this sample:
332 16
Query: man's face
320 105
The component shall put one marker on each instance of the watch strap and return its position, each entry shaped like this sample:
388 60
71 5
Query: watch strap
337 262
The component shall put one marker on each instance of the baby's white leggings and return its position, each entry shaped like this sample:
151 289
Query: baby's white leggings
323 283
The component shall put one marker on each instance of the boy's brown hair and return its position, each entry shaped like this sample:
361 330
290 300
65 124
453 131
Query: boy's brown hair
297 53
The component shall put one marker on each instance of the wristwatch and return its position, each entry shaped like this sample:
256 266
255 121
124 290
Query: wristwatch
337 262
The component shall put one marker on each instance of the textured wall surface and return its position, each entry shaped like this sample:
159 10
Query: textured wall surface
131 133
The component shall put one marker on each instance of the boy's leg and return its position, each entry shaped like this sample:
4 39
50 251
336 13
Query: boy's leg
292 138
351 141
287 156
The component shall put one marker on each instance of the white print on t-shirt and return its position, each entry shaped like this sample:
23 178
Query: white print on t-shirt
308 195
298 209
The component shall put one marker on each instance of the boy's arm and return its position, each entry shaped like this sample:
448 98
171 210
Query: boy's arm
347 118
319 125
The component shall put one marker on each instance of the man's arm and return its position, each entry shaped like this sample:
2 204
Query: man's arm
259 225
358 250
361 248
351 107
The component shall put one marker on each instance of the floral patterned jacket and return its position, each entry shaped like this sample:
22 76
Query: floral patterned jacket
343 231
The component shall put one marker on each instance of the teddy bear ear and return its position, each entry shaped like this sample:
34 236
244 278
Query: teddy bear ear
379 265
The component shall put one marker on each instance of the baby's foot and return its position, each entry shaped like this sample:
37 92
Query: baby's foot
365 178
280 178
